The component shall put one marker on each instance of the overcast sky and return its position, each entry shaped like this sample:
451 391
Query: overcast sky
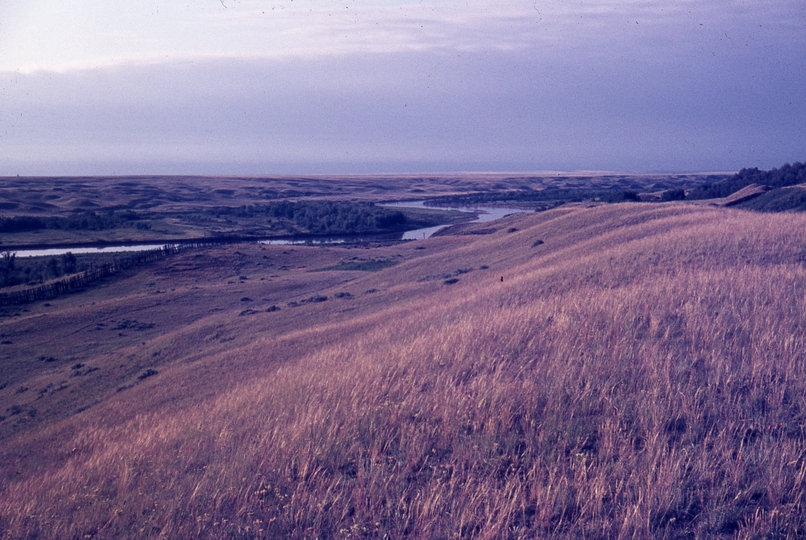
363 86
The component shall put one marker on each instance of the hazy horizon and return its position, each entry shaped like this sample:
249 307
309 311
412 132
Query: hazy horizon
398 174
261 88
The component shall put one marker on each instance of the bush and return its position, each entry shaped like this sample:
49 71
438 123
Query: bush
673 195
35 269
150 372
619 196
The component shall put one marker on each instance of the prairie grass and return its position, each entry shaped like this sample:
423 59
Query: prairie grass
642 376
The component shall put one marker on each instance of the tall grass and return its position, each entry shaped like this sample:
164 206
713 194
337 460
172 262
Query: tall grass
644 377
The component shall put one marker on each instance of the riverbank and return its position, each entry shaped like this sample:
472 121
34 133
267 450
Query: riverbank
49 250
63 280
451 216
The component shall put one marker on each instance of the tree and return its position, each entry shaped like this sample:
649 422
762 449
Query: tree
69 263
7 265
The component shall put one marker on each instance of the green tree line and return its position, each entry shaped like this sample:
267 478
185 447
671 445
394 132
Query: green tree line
548 195
324 217
787 175
15 271
84 221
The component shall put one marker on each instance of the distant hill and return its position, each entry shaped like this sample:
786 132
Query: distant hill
779 200
774 200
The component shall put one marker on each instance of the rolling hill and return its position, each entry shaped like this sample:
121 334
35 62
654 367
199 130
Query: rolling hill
630 370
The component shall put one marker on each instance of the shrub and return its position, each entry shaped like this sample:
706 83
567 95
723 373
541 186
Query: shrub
150 372
673 195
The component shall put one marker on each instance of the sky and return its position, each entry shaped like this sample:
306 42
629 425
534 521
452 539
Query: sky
262 87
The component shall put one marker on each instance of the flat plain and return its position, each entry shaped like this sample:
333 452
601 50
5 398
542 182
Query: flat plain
630 370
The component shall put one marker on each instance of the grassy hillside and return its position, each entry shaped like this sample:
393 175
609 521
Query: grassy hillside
620 371
777 195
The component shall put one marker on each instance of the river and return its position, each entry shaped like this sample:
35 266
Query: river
484 213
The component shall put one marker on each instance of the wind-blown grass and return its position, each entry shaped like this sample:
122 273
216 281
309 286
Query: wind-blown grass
643 376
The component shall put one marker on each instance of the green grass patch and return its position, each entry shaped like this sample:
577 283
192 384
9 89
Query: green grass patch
372 265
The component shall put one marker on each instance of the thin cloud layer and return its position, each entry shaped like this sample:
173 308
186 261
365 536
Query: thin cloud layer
320 86
85 35
53 35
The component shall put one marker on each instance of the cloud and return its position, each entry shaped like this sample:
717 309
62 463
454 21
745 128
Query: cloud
324 85
82 34
53 35
416 111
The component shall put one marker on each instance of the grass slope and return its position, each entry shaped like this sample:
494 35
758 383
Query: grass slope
619 371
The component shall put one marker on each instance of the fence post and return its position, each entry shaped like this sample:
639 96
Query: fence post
81 279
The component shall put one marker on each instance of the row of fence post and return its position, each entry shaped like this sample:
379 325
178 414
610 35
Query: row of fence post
82 279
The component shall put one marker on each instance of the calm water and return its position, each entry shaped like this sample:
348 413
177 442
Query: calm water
484 214
83 250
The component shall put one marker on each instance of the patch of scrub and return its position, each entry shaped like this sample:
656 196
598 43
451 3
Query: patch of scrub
371 265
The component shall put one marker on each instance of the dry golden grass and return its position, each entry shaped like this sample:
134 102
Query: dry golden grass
639 374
